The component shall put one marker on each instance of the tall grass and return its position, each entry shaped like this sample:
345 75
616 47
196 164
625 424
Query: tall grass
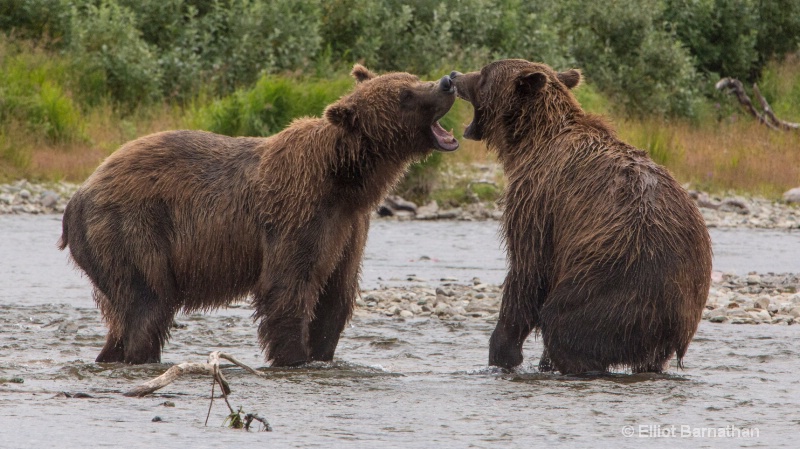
35 91
780 84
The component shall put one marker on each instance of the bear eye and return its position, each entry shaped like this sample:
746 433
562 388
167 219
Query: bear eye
406 96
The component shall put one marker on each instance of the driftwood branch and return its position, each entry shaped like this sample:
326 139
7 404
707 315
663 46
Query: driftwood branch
209 368
768 117
735 86
770 114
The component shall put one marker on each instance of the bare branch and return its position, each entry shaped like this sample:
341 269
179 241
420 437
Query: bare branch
770 114
735 86
210 368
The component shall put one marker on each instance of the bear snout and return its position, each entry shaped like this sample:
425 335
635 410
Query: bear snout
446 84
464 84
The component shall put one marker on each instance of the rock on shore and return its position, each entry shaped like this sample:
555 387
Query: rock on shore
752 299
23 197
718 212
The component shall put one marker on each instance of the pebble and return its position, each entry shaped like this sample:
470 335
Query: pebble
23 197
719 211
732 299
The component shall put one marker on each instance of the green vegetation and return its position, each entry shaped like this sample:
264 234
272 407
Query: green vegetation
80 77
270 105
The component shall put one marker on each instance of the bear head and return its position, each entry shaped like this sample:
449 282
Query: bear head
396 111
513 98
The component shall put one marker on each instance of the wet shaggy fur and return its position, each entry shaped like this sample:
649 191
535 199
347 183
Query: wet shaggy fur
189 220
608 256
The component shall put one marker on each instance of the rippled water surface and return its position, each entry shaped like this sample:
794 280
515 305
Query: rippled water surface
417 383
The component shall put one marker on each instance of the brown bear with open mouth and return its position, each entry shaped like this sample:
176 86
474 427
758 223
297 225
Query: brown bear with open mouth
189 220
608 256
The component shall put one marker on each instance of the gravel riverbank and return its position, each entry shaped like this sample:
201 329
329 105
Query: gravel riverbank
23 197
752 299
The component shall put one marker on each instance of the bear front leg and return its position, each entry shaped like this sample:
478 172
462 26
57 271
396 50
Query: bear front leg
518 317
289 288
283 328
337 301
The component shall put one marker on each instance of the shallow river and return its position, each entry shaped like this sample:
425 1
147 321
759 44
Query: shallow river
417 383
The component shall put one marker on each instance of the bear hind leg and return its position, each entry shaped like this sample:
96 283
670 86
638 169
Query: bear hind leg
147 320
285 339
575 341
113 351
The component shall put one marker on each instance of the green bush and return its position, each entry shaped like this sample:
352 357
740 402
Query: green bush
644 69
591 100
720 34
644 55
778 31
35 19
249 38
109 50
226 44
34 94
270 105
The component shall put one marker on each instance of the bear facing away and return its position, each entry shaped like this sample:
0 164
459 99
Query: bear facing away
189 220
608 256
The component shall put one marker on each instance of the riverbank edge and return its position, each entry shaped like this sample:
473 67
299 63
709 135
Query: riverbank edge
751 299
23 197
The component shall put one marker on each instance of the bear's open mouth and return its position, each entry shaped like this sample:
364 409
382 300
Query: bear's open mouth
445 140
473 130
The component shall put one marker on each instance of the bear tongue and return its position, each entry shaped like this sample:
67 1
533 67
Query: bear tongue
445 139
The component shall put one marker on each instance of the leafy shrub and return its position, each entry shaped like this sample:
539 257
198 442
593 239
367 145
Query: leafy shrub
35 19
778 31
33 94
271 105
108 47
720 34
620 48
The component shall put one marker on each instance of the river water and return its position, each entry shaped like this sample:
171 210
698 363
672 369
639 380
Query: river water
417 383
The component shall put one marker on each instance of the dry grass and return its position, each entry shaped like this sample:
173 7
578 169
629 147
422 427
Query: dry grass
738 155
105 132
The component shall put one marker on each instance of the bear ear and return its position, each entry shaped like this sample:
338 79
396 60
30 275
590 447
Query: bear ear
341 115
361 73
570 78
531 82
